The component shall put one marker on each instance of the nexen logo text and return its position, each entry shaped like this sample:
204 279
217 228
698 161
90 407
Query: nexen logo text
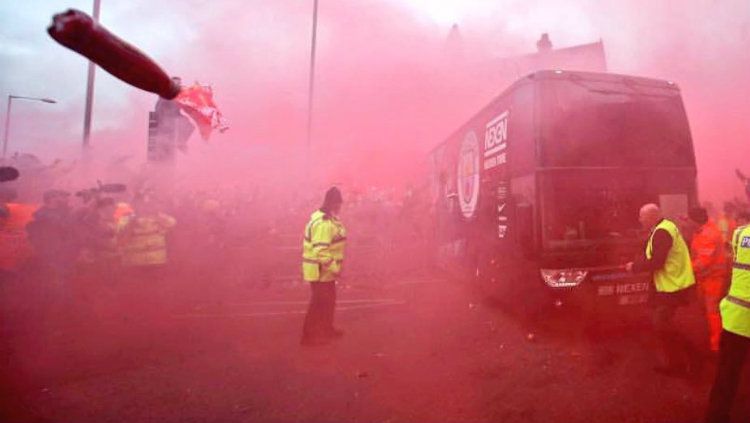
496 135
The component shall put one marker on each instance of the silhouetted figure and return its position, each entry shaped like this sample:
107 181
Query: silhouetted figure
54 235
745 181
544 43
454 44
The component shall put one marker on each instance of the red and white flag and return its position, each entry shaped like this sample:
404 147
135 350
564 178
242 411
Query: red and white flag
198 102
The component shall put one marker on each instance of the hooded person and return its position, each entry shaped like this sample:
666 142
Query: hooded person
322 258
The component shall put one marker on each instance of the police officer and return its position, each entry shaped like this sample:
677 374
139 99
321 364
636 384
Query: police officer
735 338
143 237
667 257
322 257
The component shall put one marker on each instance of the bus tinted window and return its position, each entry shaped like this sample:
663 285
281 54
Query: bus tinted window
598 124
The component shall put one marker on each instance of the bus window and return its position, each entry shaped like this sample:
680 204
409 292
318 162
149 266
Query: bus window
610 124
521 151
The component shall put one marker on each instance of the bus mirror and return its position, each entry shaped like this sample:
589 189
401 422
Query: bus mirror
525 224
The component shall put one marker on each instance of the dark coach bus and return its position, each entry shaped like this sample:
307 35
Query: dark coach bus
540 191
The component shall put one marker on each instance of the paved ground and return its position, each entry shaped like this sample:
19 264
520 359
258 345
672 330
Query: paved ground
420 348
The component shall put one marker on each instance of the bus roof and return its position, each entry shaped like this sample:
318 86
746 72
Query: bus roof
602 77
551 74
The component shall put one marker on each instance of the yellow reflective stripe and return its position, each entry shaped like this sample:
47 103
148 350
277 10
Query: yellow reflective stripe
321 244
313 261
738 301
741 266
308 231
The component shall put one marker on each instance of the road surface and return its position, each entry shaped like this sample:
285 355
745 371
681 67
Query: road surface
417 348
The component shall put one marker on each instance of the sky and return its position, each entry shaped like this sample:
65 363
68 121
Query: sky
380 99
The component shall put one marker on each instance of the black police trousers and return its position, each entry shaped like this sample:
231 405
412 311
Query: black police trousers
319 319
733 351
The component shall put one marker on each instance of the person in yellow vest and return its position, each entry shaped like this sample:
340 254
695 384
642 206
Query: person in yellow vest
142 236
322 258
667 257
735 337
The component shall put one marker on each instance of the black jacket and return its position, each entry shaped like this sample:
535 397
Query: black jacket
661 245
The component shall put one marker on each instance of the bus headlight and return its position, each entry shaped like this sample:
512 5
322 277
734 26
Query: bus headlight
563 278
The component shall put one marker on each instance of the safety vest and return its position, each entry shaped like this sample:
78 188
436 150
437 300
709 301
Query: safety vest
709 253
143 240
735 307
323 248
677 273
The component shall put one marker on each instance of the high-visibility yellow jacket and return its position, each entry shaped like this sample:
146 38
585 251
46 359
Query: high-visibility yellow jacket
323 248
677 273
735 307
143 240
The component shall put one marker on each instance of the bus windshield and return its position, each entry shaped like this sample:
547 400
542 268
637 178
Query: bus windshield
611 124
582 206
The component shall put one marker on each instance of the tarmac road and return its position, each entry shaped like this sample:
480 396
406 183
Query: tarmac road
420 348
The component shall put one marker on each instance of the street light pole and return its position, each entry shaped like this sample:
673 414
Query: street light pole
90 90
311 85
7 126
7 116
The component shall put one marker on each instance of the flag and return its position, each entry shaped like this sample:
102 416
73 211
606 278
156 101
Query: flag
197 101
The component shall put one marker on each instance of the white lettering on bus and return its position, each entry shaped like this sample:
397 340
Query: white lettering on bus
496 135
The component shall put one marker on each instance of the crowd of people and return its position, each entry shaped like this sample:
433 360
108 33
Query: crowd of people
196 242
214 233
158 240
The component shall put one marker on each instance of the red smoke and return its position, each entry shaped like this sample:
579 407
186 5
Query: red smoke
386 90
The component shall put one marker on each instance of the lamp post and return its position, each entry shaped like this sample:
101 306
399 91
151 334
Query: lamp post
7 115
311 84
90 90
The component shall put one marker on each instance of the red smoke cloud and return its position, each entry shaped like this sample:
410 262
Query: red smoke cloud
386 90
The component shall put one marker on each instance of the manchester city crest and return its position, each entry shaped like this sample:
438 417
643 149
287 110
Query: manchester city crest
468 175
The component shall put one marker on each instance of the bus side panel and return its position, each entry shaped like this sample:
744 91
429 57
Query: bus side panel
474 200
513 193
508 181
